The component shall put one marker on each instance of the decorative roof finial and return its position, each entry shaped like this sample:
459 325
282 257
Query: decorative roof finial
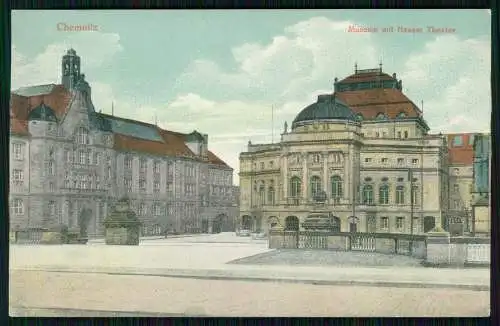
380 65
355 67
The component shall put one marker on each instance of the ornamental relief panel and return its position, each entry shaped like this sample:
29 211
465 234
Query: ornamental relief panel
295 159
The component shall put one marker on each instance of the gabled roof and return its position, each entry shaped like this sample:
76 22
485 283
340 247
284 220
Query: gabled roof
54 96
19 127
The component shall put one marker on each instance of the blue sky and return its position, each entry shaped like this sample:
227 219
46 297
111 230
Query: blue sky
220 72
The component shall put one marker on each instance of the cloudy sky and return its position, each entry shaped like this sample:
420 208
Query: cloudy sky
221 72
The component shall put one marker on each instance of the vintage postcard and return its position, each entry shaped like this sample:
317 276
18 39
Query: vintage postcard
331 163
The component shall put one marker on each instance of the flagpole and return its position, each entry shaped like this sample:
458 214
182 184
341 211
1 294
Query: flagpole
272 121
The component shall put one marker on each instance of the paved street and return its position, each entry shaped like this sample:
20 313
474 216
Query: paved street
45 277
192 297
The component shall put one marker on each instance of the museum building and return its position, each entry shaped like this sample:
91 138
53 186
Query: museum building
362 156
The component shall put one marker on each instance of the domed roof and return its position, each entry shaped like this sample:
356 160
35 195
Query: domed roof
42 113
327 107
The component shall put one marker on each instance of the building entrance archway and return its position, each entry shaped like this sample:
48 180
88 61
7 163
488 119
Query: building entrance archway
292 223
84 224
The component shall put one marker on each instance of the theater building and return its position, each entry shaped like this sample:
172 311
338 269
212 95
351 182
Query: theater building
364 152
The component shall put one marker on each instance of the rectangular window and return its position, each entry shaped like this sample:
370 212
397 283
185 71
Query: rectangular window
457 141
368 160
128 163
127 182
18 151
414 161
471 140
399 134
51 168
384 160
143 164
156 167
82 157
400 222
384 223
456 188
156 186
18 176
142 184
18 207
401 161
262 165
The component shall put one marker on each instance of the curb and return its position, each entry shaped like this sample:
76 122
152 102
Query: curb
400 284
21 311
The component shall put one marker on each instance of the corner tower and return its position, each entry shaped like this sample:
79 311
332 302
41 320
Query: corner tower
70 69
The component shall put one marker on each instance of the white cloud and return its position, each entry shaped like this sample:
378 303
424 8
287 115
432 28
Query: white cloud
45 68
452 76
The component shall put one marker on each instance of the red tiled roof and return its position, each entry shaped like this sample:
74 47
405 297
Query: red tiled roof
370 102
19 127
460 155
58 100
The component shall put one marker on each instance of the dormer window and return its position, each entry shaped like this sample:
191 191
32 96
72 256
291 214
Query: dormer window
359 117
381 116
401 115
82 136
457 141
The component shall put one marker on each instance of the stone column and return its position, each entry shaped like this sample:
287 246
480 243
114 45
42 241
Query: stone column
305 177
325 174
347 175
285 177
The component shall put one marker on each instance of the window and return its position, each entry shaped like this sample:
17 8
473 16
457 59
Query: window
471 140
156 186
377 134
18 151
456 204
51 168
262 196
97 159
401 179
262 165
315 185
368 160
142 164
384 160
295 187
142 209
142 183
67 182
414 161
368 179
316 158
406 134
82 136
51 153
68 155
384 223
400 222
414 195
400 195
128 162
368 195
380 116
457 141
401 161
456 171
18 177
399 134
156 167
383 195
51 187
127 182
384 134
271 164
170 187
109 172
156 209
456 188
336 182
270 195
17 207
170 169
52 208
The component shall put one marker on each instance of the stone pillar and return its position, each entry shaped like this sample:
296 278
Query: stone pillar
438 248
325 174
347 175
210 225
285 177
305 178
350 179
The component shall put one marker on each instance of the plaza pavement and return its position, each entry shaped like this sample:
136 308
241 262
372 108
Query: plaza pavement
207 257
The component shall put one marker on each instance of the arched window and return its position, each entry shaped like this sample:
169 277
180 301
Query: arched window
359 117
414 195
315 185
401 115
295 187
82 136
262 193
336 182
381 116
270 195
400 195
383 194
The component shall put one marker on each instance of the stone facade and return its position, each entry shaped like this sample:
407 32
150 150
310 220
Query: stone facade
69 164
367 147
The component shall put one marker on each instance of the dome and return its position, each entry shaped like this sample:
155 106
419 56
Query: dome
327 107
42 113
